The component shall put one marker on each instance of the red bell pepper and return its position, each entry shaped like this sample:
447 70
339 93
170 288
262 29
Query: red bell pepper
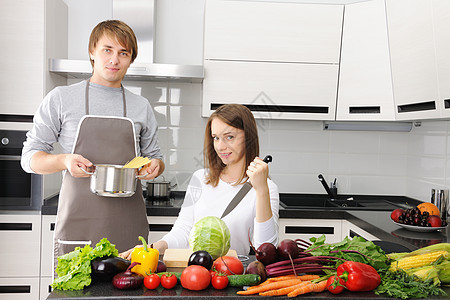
358 277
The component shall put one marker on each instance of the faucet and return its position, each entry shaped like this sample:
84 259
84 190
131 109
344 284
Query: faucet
331 192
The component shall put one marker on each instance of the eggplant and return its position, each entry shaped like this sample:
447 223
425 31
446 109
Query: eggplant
104 268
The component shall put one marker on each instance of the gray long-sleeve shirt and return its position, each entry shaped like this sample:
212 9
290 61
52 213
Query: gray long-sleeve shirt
59 114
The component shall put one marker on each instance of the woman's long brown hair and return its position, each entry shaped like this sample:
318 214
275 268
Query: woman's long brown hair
237 116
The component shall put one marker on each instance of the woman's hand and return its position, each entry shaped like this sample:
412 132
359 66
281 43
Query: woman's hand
160 245
258 172
127 254
153 169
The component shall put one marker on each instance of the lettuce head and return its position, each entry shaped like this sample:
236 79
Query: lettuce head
210 234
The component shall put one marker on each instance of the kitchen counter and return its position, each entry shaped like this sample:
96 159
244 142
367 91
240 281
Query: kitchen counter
377 223
107 291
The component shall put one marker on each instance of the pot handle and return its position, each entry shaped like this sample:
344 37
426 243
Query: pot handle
141 176
89 173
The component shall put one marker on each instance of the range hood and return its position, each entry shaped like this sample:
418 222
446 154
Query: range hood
139 14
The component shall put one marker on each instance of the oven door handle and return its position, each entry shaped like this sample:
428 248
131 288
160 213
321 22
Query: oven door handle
10 157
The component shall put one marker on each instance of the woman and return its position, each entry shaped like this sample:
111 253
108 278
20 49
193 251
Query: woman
231 150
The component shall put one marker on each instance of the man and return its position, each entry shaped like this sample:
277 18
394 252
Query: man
96 121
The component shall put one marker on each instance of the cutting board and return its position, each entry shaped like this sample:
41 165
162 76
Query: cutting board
178 258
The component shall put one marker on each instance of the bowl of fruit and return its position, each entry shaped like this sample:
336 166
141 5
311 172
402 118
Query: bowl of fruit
424 217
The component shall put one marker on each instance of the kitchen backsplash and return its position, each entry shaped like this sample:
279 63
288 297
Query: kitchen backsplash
364 162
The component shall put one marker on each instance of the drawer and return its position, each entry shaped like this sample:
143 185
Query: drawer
22 288
20 251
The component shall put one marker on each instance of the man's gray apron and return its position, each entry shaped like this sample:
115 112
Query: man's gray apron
85 218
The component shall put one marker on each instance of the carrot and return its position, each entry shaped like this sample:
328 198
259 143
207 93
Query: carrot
285 290
309 288
308 277
287 277
270 286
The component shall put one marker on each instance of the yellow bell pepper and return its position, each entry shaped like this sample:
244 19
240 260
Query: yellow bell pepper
146 257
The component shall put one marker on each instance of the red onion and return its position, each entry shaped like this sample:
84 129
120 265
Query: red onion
128 280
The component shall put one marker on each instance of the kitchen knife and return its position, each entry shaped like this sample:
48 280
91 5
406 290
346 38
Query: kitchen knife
242 192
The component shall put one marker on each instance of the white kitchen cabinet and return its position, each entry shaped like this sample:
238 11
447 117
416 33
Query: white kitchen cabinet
279 59
45 287
351 230
48 228
413 59
272 90
159 227
441 18
20 234
24 80
22 24
272 31
365 83
307 228
23 288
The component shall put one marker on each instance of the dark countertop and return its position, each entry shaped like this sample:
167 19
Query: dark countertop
107 291
377 223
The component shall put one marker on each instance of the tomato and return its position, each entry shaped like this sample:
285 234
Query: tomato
152 281
168 280
195 278
219 282
335 289
228 265
213 273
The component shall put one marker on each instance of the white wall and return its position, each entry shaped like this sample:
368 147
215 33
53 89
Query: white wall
379 163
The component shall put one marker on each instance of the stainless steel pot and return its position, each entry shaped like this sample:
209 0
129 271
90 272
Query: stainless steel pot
159 189
113 180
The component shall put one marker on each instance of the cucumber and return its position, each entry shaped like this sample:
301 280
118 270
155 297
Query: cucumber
243 280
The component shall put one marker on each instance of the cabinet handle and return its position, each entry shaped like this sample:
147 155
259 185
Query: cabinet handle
446 103
309 230
281 108
16 226
16 118
364 109
15 289
52 226
421 106
352 234
160 227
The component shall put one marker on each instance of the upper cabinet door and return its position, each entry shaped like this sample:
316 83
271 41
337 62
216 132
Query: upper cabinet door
271 31
441 17
272 90
22 70
413 59
365 83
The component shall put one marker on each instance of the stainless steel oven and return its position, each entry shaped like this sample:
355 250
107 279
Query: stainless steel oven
18 190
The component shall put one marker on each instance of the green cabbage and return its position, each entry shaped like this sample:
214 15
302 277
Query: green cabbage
210 234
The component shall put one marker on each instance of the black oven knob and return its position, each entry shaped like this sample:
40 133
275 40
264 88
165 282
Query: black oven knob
5 141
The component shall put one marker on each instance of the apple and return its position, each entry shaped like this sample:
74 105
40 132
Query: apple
435 221
396 213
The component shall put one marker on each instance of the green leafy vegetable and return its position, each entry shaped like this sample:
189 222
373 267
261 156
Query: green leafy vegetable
356 249
401 285
74 268
210 234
